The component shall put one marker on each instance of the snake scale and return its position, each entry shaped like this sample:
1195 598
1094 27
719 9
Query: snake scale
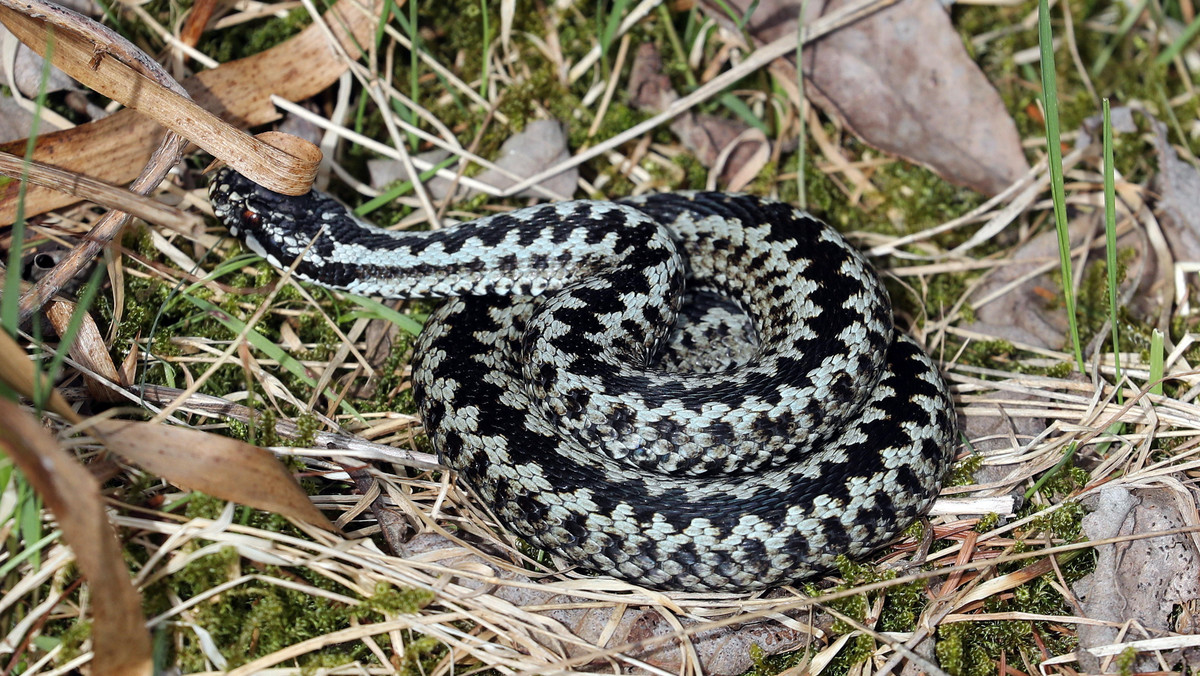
689 391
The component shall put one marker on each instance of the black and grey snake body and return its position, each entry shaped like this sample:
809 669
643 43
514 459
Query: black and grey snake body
695 391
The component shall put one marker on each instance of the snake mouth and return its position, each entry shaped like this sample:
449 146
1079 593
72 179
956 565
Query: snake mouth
227 192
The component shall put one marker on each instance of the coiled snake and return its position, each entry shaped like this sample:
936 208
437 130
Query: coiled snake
696 391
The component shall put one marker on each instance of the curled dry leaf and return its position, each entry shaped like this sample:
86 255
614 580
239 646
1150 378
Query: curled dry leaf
723 650
114 148
119 637
1142 580
219 466
901 80
108 63
738 152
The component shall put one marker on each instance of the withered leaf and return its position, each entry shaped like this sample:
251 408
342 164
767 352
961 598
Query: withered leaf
119 637
903 82
219 466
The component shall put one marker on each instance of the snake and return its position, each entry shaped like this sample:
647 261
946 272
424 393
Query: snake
688 391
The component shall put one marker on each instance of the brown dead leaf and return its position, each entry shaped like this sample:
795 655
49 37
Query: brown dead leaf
903 82
1179 184
219 466
119 637
88 348
1021 314
1142 580
737 151
17 371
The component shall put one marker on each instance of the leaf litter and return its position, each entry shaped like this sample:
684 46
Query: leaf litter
489 602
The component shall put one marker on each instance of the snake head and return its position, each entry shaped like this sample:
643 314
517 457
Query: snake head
278 227
246 207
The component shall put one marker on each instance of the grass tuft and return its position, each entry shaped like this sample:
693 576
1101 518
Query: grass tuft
1054 159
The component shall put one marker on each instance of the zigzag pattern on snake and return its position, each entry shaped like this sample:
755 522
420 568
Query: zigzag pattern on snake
690 391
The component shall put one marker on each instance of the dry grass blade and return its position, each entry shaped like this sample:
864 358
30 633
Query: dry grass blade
119 637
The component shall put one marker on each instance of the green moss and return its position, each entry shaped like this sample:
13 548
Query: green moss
963 473
1126 661
73 640
253 37
421 656
308 425
902 605
695 174
918 199
987 353
257 618
824 199
1060 370
387 600
987 522
1066 522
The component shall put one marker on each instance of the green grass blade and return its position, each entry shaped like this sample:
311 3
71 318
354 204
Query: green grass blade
9 308
802 147
1156 361
377 309
1110 240
611 24
664 16
402 188
262 344
1054 157
1052 472
1122 31
487 47
28 521
30 551
1182 41
738 107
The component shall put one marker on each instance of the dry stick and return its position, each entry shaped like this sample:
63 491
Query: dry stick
762 56
100 58
113 148
108 64
104 194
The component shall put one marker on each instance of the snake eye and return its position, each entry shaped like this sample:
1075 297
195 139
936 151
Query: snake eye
251 218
